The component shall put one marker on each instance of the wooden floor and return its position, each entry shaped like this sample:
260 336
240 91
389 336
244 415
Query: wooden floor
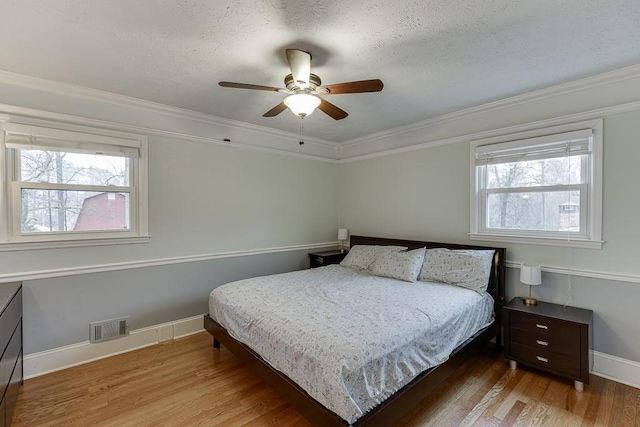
187 383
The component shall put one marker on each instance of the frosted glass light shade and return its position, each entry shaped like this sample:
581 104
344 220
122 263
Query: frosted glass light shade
343 234
302 104
530 274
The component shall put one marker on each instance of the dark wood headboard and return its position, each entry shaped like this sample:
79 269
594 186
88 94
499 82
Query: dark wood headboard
496 287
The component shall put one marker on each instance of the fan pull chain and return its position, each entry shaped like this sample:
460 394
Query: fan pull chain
301 128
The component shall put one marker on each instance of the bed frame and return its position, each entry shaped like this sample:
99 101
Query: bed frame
408 397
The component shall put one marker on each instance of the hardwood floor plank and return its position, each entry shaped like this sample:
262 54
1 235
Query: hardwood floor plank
187 383
482 412
596 390
606 404
568 419
510 418
508 383
578 402
452 398
518 394
487 422
473 394
627 405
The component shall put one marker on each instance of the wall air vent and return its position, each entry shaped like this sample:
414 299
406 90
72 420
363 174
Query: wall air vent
108 329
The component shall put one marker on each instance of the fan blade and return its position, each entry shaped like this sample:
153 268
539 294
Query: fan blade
275 110
300 64
360 86
331 110
248 86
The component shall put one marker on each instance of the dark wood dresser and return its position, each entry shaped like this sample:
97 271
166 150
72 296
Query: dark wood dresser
550 337
11 345
320 259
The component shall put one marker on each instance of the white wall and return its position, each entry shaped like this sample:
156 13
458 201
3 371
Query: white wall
424 195
206 198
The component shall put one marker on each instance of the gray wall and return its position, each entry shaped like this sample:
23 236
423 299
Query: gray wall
57 311
427 197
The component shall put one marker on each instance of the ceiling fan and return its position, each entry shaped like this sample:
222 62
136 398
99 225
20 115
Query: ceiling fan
304 89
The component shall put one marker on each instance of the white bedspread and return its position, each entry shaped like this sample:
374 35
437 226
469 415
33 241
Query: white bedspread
349 339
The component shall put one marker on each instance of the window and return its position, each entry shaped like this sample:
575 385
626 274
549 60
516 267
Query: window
71 188
541 186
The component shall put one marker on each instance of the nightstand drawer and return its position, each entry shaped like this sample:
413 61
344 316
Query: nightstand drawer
9 319
10 348
10 357
567 345
545 326
547 360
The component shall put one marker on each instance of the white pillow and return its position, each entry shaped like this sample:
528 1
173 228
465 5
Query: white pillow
399 265
467 268
362 256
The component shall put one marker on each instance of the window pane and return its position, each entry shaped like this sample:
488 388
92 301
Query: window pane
60 210
73 168
534 173
544 211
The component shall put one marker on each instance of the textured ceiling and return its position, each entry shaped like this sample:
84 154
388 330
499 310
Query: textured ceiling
434 56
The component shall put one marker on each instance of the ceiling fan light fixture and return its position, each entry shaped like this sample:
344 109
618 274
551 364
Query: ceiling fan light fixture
302 104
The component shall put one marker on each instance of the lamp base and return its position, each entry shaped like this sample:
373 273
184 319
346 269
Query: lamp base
530 301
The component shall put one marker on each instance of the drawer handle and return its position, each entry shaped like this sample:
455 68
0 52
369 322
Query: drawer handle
538 325
542 359
544 343
319 260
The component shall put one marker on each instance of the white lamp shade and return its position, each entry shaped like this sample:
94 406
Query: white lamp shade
302 104
530 274
343 234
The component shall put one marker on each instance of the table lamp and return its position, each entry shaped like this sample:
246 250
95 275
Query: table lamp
530 275
343 236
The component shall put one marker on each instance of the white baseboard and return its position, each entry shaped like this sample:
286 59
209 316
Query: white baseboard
616 368
604 365
44 362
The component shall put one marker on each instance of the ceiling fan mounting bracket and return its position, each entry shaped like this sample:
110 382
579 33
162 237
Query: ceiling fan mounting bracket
294 86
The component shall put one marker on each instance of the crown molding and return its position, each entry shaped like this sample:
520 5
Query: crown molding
39 118
66 89
332 151
586 115
586 83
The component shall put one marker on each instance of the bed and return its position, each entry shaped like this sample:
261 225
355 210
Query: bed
362 380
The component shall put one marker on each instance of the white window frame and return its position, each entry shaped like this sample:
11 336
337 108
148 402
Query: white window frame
70 138
590 235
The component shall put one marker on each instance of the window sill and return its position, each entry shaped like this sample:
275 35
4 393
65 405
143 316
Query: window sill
547 241
71 243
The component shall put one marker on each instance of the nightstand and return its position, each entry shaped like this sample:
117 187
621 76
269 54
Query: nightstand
550 337
320 259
